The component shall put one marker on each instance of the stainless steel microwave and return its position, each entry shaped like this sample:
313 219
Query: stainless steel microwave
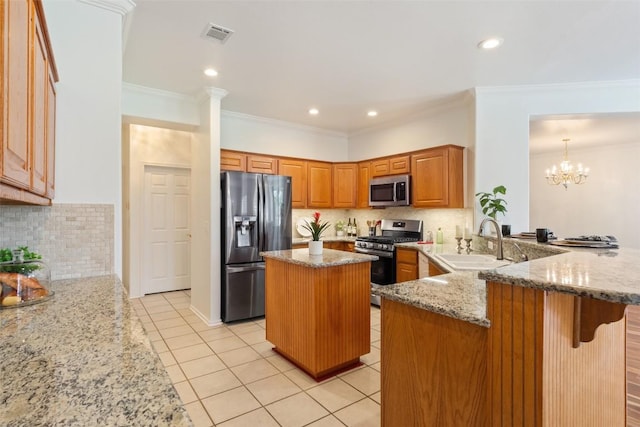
390 191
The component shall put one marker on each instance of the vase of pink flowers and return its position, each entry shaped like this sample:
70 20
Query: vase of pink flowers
316 227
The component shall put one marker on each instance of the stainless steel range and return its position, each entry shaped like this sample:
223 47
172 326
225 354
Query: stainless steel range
383 271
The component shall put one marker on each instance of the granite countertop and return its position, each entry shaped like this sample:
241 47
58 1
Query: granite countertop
300 240
83 359
329 257
610 275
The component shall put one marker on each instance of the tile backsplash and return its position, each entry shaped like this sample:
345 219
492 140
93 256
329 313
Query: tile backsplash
447 219
75 240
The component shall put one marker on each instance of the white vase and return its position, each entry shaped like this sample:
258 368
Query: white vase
315 247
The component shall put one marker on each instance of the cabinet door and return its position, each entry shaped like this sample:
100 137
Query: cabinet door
261 164
399 165
233 161
15 141
438 178
297 170
364 175
434 270
40 88
345 185
349 246
319 184
406 265
379 167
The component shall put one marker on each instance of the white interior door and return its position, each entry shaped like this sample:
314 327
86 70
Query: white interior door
167 230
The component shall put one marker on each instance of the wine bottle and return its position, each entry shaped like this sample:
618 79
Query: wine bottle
355 228
349 228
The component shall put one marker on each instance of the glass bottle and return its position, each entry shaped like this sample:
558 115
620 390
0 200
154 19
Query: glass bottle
355 228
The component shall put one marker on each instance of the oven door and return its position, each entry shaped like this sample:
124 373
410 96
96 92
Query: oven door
383 270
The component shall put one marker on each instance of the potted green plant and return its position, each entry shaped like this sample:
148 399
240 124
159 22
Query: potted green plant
339 228
493 204
316 228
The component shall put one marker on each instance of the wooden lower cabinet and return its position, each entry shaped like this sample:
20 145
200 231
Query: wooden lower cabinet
318 318
406 264
434 270
523 370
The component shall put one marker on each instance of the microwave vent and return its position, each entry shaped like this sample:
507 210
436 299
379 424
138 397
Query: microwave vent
217 32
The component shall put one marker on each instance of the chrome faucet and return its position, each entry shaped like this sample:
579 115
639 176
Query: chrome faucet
499 253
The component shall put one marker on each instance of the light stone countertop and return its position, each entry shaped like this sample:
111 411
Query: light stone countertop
606 274
329 257
82 358
300 240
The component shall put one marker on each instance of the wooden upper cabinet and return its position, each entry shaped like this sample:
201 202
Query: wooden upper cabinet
15 135
364 175
51 135
345 188
262 164
233 161
39 93
319 184
437 178
297 170
391 166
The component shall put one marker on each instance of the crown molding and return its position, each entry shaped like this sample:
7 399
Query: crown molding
284 124
145 90
558 86
122 7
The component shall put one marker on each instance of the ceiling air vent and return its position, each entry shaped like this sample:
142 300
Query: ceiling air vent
216 32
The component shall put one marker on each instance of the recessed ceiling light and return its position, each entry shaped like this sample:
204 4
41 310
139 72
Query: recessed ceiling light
313 111
210 72
490 43
372 113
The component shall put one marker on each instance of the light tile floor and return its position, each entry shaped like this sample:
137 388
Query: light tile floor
229 375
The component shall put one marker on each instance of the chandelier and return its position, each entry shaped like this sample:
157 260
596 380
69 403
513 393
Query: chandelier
566 174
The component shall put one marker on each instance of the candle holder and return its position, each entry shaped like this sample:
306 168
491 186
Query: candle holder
468 244
459 247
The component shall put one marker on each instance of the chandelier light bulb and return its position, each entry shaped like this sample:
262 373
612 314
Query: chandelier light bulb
566 175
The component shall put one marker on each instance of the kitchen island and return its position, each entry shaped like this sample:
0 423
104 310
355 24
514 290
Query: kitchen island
317 308
539 343
82 358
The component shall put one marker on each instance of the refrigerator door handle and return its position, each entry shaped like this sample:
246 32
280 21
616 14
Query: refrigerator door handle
261 210
245 267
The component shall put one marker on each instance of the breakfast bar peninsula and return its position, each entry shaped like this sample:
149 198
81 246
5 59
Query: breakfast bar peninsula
317 308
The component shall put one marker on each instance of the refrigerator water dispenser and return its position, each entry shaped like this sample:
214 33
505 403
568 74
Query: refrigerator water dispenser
244 227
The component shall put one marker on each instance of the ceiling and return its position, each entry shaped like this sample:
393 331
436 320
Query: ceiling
397 57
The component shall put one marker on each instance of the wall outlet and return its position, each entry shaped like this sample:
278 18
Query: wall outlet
490 245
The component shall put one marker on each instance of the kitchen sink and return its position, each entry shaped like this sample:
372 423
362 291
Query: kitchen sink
471 261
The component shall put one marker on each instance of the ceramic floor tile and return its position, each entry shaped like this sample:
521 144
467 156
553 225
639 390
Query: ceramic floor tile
328 421
167 358
365 413
281 363
258 418
239 356
176 332
205 365
175 374
198 415
221 339
254 337
297 410
198 324
154 336
192 352
377 397
243 328
187 395
273 388
160 308
366 379
254 371
160 346
184 311
180 305
164 315
265 349
375 335
170 323
183 341
217 382
335 394
302 379
192 318
230 404
262 323
369 359
375 344
376 366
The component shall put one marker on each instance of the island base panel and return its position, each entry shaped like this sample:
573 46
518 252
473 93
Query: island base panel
321 376
318 317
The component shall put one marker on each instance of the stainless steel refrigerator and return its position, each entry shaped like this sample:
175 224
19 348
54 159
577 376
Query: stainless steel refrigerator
256 217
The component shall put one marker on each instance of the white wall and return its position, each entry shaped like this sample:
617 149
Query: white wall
502 132
87 47
607 204
147 146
